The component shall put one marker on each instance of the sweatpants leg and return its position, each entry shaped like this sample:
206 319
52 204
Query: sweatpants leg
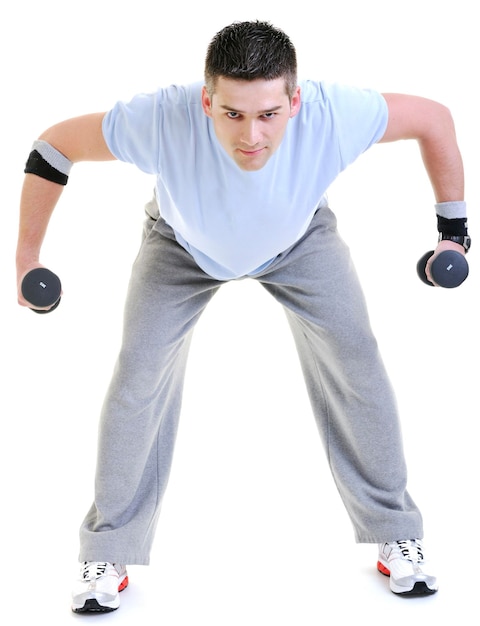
350 392
138 425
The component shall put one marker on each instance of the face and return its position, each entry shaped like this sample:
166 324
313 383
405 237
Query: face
250 118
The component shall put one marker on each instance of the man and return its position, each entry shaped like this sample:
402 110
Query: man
243 163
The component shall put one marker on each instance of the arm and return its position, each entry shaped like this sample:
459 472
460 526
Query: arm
431 124
78 139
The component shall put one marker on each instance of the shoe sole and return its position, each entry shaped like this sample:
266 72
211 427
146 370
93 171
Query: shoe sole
92 605
420 588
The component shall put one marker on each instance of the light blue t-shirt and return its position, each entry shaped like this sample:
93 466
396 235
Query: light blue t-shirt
234 222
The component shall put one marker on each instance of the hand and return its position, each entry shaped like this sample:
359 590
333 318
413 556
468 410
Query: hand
22 271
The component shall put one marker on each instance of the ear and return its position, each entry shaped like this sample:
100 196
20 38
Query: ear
295 103
206 102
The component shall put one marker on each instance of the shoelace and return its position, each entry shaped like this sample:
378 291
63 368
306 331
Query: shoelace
411 550
91 571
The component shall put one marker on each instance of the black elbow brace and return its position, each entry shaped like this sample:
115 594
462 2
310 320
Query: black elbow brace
47 162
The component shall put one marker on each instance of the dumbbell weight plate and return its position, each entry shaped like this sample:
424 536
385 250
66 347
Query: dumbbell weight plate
449 269
42 288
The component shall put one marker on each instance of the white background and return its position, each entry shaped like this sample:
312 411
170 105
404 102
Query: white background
252 529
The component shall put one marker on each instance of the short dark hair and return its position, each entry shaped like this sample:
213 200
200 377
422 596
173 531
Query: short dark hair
251 50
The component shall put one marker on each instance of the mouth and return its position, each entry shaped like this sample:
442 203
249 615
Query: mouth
250 153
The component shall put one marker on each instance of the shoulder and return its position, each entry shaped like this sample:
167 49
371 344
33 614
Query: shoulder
323 93
178 95
137 130
164 98
348 118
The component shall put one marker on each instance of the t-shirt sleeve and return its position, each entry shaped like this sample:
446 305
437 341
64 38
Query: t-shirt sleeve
359 116
130 130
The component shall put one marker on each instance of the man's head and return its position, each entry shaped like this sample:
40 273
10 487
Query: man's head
251 90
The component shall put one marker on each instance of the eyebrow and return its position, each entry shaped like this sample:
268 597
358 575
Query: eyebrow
272 110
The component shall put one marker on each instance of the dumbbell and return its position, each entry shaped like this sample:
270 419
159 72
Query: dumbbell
449 269
42 288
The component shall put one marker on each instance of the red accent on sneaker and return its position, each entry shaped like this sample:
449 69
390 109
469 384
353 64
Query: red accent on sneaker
382 569
123 584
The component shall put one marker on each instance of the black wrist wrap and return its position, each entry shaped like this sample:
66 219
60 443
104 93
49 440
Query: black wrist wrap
36 164
456 226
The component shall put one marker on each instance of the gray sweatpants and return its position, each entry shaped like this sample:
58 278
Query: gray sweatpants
351 396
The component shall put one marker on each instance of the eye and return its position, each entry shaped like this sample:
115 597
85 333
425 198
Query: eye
269 116
233 115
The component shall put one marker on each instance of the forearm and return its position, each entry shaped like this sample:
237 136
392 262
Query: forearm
443 163
38 200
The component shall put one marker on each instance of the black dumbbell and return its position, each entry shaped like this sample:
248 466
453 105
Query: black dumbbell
42 288
449 269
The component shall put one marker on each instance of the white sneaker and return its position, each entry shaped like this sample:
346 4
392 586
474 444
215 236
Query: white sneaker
97 590
403 561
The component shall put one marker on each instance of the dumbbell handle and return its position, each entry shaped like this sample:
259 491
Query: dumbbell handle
449 269
42 289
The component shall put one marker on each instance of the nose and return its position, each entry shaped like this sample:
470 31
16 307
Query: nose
251 134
